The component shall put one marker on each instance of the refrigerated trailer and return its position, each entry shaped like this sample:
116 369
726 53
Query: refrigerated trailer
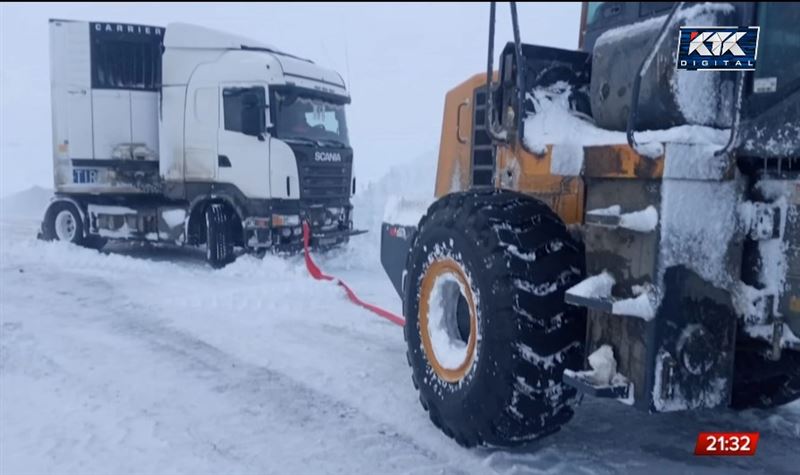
191 136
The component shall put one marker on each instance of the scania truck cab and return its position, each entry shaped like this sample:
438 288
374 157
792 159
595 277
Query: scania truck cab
192 136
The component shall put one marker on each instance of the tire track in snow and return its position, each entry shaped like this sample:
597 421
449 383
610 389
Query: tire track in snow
259 397
187 390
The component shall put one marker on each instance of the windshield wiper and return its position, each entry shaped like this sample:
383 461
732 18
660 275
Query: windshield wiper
336 143
305 140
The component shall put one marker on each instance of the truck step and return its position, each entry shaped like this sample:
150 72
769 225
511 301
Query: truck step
605 305
581 381
595 293
642 221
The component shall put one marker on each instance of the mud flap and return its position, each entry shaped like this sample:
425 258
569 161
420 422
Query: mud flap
395 244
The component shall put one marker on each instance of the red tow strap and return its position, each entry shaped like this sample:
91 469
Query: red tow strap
317 274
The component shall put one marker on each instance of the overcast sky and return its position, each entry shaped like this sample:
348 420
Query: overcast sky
399 60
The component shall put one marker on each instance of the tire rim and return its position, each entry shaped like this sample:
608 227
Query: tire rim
65 226
448 320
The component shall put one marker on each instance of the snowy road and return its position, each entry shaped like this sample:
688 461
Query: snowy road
147 361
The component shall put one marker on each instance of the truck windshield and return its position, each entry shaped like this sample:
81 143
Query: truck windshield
310 118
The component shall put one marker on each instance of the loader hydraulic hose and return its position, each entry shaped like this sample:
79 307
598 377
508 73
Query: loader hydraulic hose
317 274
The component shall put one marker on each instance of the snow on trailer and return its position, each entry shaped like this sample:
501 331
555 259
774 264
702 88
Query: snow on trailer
188 135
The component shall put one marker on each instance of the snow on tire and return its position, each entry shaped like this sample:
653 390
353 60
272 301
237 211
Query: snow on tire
62 222
487 329
219 239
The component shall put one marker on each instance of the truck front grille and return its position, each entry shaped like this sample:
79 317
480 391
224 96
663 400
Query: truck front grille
321 181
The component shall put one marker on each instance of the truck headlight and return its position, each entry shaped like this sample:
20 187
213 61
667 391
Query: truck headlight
256 223
285 220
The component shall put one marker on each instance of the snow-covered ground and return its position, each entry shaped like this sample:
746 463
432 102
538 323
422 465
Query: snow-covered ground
145 360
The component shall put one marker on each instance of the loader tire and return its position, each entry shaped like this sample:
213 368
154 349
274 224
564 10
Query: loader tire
758 381
219 236
487 329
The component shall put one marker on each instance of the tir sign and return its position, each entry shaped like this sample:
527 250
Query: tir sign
720 48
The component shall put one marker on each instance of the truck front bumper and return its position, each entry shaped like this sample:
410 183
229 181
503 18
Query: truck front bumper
288 238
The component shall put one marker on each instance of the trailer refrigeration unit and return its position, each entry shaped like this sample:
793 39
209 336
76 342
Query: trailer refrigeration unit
191 136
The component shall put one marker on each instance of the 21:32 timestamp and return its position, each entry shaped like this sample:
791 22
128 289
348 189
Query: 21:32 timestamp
726 443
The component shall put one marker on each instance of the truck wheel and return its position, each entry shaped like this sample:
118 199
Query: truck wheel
487 329
62 222
759 382
219 239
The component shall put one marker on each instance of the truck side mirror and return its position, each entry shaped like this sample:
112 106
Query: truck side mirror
253 116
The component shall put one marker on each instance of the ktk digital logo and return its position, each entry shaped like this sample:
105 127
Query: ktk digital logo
718 48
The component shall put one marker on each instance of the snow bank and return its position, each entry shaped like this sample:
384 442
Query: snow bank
413 181
28 204
405 212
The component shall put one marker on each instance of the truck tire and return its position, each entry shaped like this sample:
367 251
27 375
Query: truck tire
219 239
487 329
759 382
62 222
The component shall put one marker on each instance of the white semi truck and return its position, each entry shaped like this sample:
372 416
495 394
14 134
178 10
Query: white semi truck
191 136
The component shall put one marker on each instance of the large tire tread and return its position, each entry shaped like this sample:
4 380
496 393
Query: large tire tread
219 236
546 335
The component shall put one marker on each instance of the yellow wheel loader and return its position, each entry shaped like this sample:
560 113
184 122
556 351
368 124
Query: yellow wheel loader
614 222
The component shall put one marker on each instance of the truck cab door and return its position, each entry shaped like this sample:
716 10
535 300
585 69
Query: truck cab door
243 144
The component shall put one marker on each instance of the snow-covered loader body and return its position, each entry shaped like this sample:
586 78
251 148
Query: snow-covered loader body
188 135
660 268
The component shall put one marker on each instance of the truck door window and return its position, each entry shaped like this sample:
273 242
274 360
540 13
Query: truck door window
244 109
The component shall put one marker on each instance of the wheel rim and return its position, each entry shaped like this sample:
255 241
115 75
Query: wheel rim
448 320
66 226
